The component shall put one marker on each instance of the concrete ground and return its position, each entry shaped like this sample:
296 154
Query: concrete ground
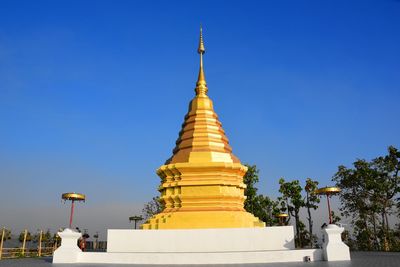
359 259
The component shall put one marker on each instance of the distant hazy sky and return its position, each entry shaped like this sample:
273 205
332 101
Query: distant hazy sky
93 95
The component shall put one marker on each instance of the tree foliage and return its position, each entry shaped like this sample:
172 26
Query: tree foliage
250 179
152 207
311 203
7 234
259 205
370 194
28 236
47 236
292 201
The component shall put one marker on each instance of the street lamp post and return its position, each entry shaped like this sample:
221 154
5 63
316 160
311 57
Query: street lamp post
72 197
328 192
96 240
282 218
135 219
40 243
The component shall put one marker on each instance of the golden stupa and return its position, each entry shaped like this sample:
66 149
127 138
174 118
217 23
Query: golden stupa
202 183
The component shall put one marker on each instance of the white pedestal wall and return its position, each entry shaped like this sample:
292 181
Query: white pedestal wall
201 240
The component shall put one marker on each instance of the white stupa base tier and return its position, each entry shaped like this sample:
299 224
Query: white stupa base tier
194 246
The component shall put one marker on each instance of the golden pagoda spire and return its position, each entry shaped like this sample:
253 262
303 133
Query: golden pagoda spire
202 182
201 84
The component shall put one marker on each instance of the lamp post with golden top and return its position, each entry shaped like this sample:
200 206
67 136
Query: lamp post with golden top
73 197
328 192
282 218
135 218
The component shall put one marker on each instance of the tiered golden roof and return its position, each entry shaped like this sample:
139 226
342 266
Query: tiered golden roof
202 183
202 135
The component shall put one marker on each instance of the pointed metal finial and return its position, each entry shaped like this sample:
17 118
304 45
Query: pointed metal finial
201 85
201 49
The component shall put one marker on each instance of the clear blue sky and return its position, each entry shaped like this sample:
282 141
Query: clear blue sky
93 94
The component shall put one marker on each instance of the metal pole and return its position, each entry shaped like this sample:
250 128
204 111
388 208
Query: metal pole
40 244
1 242
24 243
72 214
329 209
96 241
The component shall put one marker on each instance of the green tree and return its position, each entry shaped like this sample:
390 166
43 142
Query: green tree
311 202
292 198
56 238
7 234
152 208
251 178
305 234
28 236
335 217
259 205
388 186
356 202
47 236
370 194
266 210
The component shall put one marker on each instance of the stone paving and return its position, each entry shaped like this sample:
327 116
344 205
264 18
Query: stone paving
359 259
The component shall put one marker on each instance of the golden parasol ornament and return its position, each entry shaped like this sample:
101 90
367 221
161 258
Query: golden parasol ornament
72 197
282 217
135 218
328 191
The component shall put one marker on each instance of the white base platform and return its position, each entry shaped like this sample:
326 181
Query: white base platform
197 246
